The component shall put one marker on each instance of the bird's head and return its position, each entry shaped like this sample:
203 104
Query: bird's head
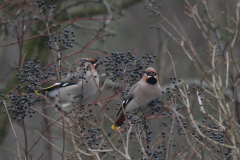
151 76
88 62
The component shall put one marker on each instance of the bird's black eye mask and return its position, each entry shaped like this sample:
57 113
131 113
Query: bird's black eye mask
152 73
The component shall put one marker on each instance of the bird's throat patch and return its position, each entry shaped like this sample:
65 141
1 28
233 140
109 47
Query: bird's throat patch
152 80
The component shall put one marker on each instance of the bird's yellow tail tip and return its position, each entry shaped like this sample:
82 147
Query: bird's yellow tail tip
37 92
115 128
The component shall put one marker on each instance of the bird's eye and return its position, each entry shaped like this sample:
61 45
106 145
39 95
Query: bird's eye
152 73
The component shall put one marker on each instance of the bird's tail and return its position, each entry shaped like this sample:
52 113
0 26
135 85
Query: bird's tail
115 127
119 122
37 92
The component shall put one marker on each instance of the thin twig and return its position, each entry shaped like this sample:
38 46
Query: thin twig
15 135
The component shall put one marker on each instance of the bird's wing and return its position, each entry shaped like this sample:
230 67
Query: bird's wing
73 79
124 104
129 97
55 86
130 93
68 81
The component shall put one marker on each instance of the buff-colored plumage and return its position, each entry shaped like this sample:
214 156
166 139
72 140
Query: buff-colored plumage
143 92
77 88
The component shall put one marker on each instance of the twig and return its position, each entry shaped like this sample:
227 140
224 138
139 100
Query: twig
25 139
15 135
50 142
227 71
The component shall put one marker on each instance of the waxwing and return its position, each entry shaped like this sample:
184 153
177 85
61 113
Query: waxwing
77 88
139 96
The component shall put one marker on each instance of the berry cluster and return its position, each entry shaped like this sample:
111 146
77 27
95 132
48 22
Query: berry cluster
43 11
61 40
121 66
29 78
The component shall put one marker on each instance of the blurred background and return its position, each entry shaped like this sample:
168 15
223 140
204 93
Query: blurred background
129 27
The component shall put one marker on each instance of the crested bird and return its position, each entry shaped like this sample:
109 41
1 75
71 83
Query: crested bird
139 96
77 88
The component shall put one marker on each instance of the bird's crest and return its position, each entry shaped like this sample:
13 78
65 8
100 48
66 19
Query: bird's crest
150 70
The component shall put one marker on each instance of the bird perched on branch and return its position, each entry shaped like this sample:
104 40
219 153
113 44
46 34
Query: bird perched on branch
139 96
76 88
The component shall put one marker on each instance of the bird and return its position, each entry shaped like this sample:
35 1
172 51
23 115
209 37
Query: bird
77 88
136 102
